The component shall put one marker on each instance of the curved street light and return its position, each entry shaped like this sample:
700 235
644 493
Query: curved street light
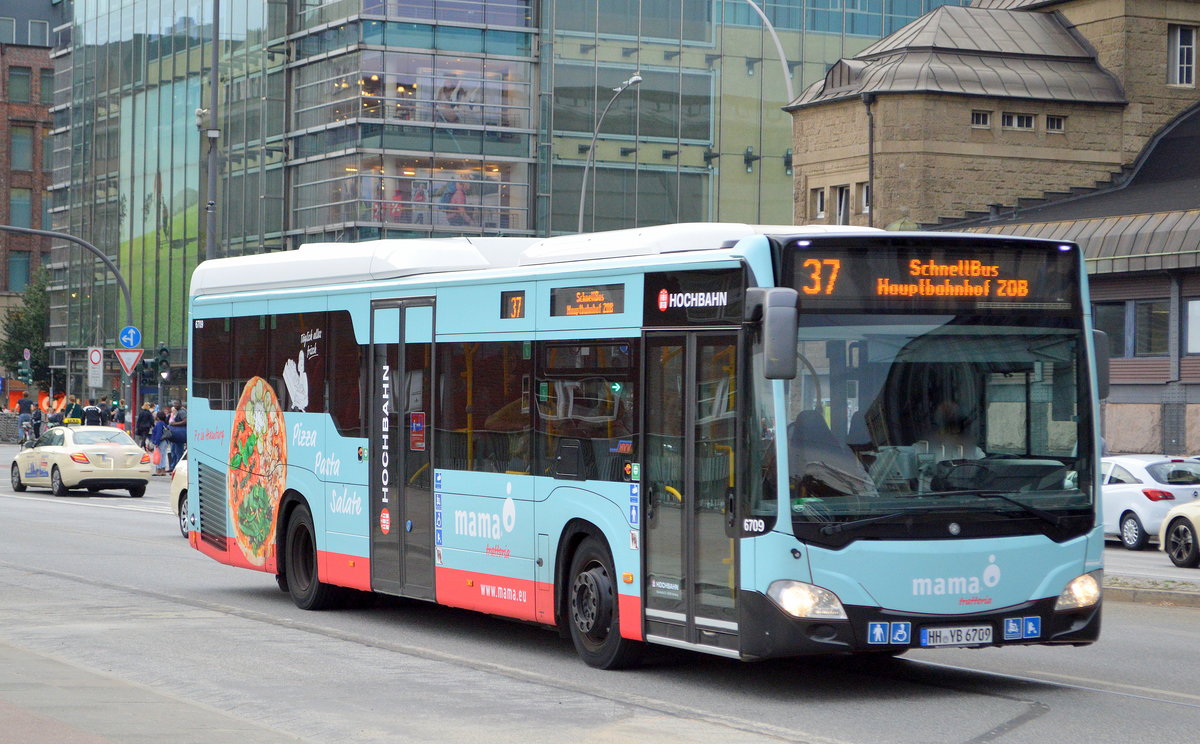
587 164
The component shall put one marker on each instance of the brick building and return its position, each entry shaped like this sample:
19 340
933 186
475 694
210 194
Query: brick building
26 91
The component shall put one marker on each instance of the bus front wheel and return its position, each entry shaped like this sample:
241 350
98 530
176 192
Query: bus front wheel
300 550
592 609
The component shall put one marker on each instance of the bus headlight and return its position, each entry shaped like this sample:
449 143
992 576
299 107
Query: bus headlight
1083 591
805 600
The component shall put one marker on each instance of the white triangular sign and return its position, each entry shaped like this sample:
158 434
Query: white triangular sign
128 358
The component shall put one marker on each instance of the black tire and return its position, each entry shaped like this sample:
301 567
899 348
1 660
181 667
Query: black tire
593 609
137 491
300 563
17 484
183 514
1181 544
1133 534
57 487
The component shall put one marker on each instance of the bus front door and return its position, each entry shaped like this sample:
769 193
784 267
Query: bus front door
401 473
688 480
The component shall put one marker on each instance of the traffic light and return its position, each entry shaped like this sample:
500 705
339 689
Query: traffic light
146 375
25 372
163 362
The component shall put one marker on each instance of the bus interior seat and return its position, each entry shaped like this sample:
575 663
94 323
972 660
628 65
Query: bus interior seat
820 456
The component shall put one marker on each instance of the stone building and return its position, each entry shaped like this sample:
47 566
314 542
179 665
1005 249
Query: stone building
981 107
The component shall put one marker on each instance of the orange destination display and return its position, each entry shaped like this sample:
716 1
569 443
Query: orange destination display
601 299
1032 275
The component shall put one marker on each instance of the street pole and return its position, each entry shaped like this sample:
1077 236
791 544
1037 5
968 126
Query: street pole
587 164
212 133
787 74
107 262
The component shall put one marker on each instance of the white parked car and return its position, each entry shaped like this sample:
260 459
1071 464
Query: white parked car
1139 490
179 493
92 457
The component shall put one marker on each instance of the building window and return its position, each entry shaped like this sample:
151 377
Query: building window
1191 327
18 270
47 151
864 197
46 92
818 203
8 31
19 81
1150 319
843 205
981 119
39 33
20 207
1009 120
1109 317
21 140
1181 65
1136 328
1056 124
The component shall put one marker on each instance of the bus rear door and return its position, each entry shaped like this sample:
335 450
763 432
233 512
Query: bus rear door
401 473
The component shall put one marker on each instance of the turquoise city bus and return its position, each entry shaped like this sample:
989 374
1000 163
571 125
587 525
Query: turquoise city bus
751 441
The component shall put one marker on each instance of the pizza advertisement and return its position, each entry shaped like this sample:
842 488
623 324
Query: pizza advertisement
257 470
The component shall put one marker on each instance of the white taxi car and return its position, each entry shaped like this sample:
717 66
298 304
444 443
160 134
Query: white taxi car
91 457
179 493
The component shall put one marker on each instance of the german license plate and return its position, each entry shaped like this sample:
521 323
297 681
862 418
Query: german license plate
963 635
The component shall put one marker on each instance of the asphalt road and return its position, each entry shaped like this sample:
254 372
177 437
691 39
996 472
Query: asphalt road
113 630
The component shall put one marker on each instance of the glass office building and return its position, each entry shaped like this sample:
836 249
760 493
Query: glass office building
350 120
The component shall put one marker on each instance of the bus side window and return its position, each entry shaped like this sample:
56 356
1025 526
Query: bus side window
346 375
585 395
484 419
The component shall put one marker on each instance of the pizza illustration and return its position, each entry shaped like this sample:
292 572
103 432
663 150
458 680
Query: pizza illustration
257 469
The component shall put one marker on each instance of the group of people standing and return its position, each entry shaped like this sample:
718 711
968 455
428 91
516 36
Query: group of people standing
95 413
164 430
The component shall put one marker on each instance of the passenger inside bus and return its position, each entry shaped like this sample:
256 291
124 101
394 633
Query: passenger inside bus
952 436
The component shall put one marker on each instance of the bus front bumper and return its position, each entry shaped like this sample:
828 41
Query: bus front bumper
768 632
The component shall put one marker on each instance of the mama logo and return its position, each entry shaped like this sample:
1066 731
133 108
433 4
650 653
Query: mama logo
486 524
940 586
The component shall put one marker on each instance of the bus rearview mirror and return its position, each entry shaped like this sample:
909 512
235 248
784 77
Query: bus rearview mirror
776 308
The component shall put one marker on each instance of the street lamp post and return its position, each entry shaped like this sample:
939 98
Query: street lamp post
107 262
587 164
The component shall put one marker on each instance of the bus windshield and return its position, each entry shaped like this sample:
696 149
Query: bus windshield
897 421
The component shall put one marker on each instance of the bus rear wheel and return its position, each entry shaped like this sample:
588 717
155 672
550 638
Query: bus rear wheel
300 551
592 610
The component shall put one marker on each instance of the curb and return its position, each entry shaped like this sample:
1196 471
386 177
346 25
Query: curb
1160 597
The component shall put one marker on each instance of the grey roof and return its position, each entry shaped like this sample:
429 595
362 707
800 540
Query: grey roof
1150 221
972 51
1013 4
1133 242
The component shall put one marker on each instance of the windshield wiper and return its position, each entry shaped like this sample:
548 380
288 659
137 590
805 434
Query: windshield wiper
836 527
1042 514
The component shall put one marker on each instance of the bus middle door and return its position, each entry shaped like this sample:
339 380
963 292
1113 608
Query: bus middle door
400 418
688 477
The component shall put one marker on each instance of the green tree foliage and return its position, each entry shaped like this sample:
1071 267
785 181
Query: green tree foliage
25 327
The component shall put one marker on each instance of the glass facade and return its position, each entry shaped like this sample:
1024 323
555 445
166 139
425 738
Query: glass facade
343 120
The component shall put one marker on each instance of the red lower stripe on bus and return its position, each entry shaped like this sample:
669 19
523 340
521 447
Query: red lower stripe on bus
351 571
495 595
629 609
